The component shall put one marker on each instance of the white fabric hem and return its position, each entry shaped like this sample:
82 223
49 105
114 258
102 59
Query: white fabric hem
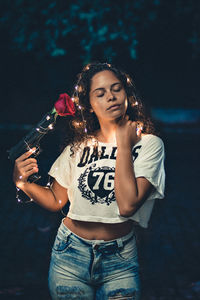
96 219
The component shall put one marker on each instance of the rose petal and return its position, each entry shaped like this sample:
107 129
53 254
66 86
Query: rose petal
64 105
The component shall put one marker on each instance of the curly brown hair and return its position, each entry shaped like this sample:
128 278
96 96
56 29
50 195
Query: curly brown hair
85 124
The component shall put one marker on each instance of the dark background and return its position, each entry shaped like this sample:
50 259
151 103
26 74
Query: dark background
44 44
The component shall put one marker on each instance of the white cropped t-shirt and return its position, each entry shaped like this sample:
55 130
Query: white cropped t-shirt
89 178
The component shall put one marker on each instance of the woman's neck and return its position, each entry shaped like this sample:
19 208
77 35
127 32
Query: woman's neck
106 133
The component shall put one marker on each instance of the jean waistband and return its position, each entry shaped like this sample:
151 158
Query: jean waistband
120 242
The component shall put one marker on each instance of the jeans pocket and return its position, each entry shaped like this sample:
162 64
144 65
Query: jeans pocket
62 243
128 251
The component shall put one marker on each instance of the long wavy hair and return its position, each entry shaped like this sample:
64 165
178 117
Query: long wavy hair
85 124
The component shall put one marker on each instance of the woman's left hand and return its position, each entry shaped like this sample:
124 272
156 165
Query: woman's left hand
128 133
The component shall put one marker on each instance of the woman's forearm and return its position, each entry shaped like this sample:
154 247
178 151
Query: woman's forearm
126 191
41 195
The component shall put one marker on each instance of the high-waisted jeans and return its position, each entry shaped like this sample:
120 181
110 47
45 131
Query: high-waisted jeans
93 269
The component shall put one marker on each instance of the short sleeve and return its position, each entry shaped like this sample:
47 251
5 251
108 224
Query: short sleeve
61 168
150 164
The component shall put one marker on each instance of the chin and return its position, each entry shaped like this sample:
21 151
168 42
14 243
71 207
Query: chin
119 115
118 118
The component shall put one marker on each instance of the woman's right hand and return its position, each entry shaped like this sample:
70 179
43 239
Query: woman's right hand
24 167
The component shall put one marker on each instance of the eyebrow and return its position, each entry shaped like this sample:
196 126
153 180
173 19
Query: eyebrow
101 88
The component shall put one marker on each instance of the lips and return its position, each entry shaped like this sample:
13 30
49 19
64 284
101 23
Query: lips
114 106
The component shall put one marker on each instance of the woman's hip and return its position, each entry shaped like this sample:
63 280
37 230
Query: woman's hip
94 263
97 257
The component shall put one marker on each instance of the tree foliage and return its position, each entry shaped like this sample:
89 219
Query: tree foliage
93 28
60 27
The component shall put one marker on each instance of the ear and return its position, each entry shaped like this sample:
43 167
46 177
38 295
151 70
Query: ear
91 110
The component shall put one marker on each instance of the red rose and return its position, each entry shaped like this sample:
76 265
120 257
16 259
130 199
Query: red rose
64 105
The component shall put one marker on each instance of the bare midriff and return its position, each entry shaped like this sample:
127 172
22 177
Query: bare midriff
98 231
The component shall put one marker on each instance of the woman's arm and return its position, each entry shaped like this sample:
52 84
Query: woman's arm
130 192
53 198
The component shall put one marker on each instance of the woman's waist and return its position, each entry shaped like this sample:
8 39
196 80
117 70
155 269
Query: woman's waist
99 231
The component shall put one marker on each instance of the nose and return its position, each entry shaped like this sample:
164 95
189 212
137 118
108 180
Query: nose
111 96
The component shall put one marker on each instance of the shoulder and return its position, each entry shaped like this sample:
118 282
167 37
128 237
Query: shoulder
65 153
150 140
73 150
66 150
151 146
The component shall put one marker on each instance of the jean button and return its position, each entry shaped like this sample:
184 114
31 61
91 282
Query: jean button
96 247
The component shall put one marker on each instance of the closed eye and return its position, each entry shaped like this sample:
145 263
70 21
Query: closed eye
116 87
101 95
117 90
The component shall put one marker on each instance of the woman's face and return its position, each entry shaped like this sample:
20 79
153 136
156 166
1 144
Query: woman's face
107 96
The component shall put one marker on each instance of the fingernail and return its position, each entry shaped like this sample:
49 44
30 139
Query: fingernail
32 150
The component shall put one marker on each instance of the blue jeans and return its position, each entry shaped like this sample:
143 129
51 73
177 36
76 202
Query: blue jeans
93 269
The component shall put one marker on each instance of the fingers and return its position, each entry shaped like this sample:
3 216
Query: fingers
20 175
26 154
136 127
24 167
21 180
25 174
26 162
28 173
30 167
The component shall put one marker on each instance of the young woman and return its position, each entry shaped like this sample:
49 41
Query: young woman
111 173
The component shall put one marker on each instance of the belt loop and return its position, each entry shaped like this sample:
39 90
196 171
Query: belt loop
68 236
119 243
